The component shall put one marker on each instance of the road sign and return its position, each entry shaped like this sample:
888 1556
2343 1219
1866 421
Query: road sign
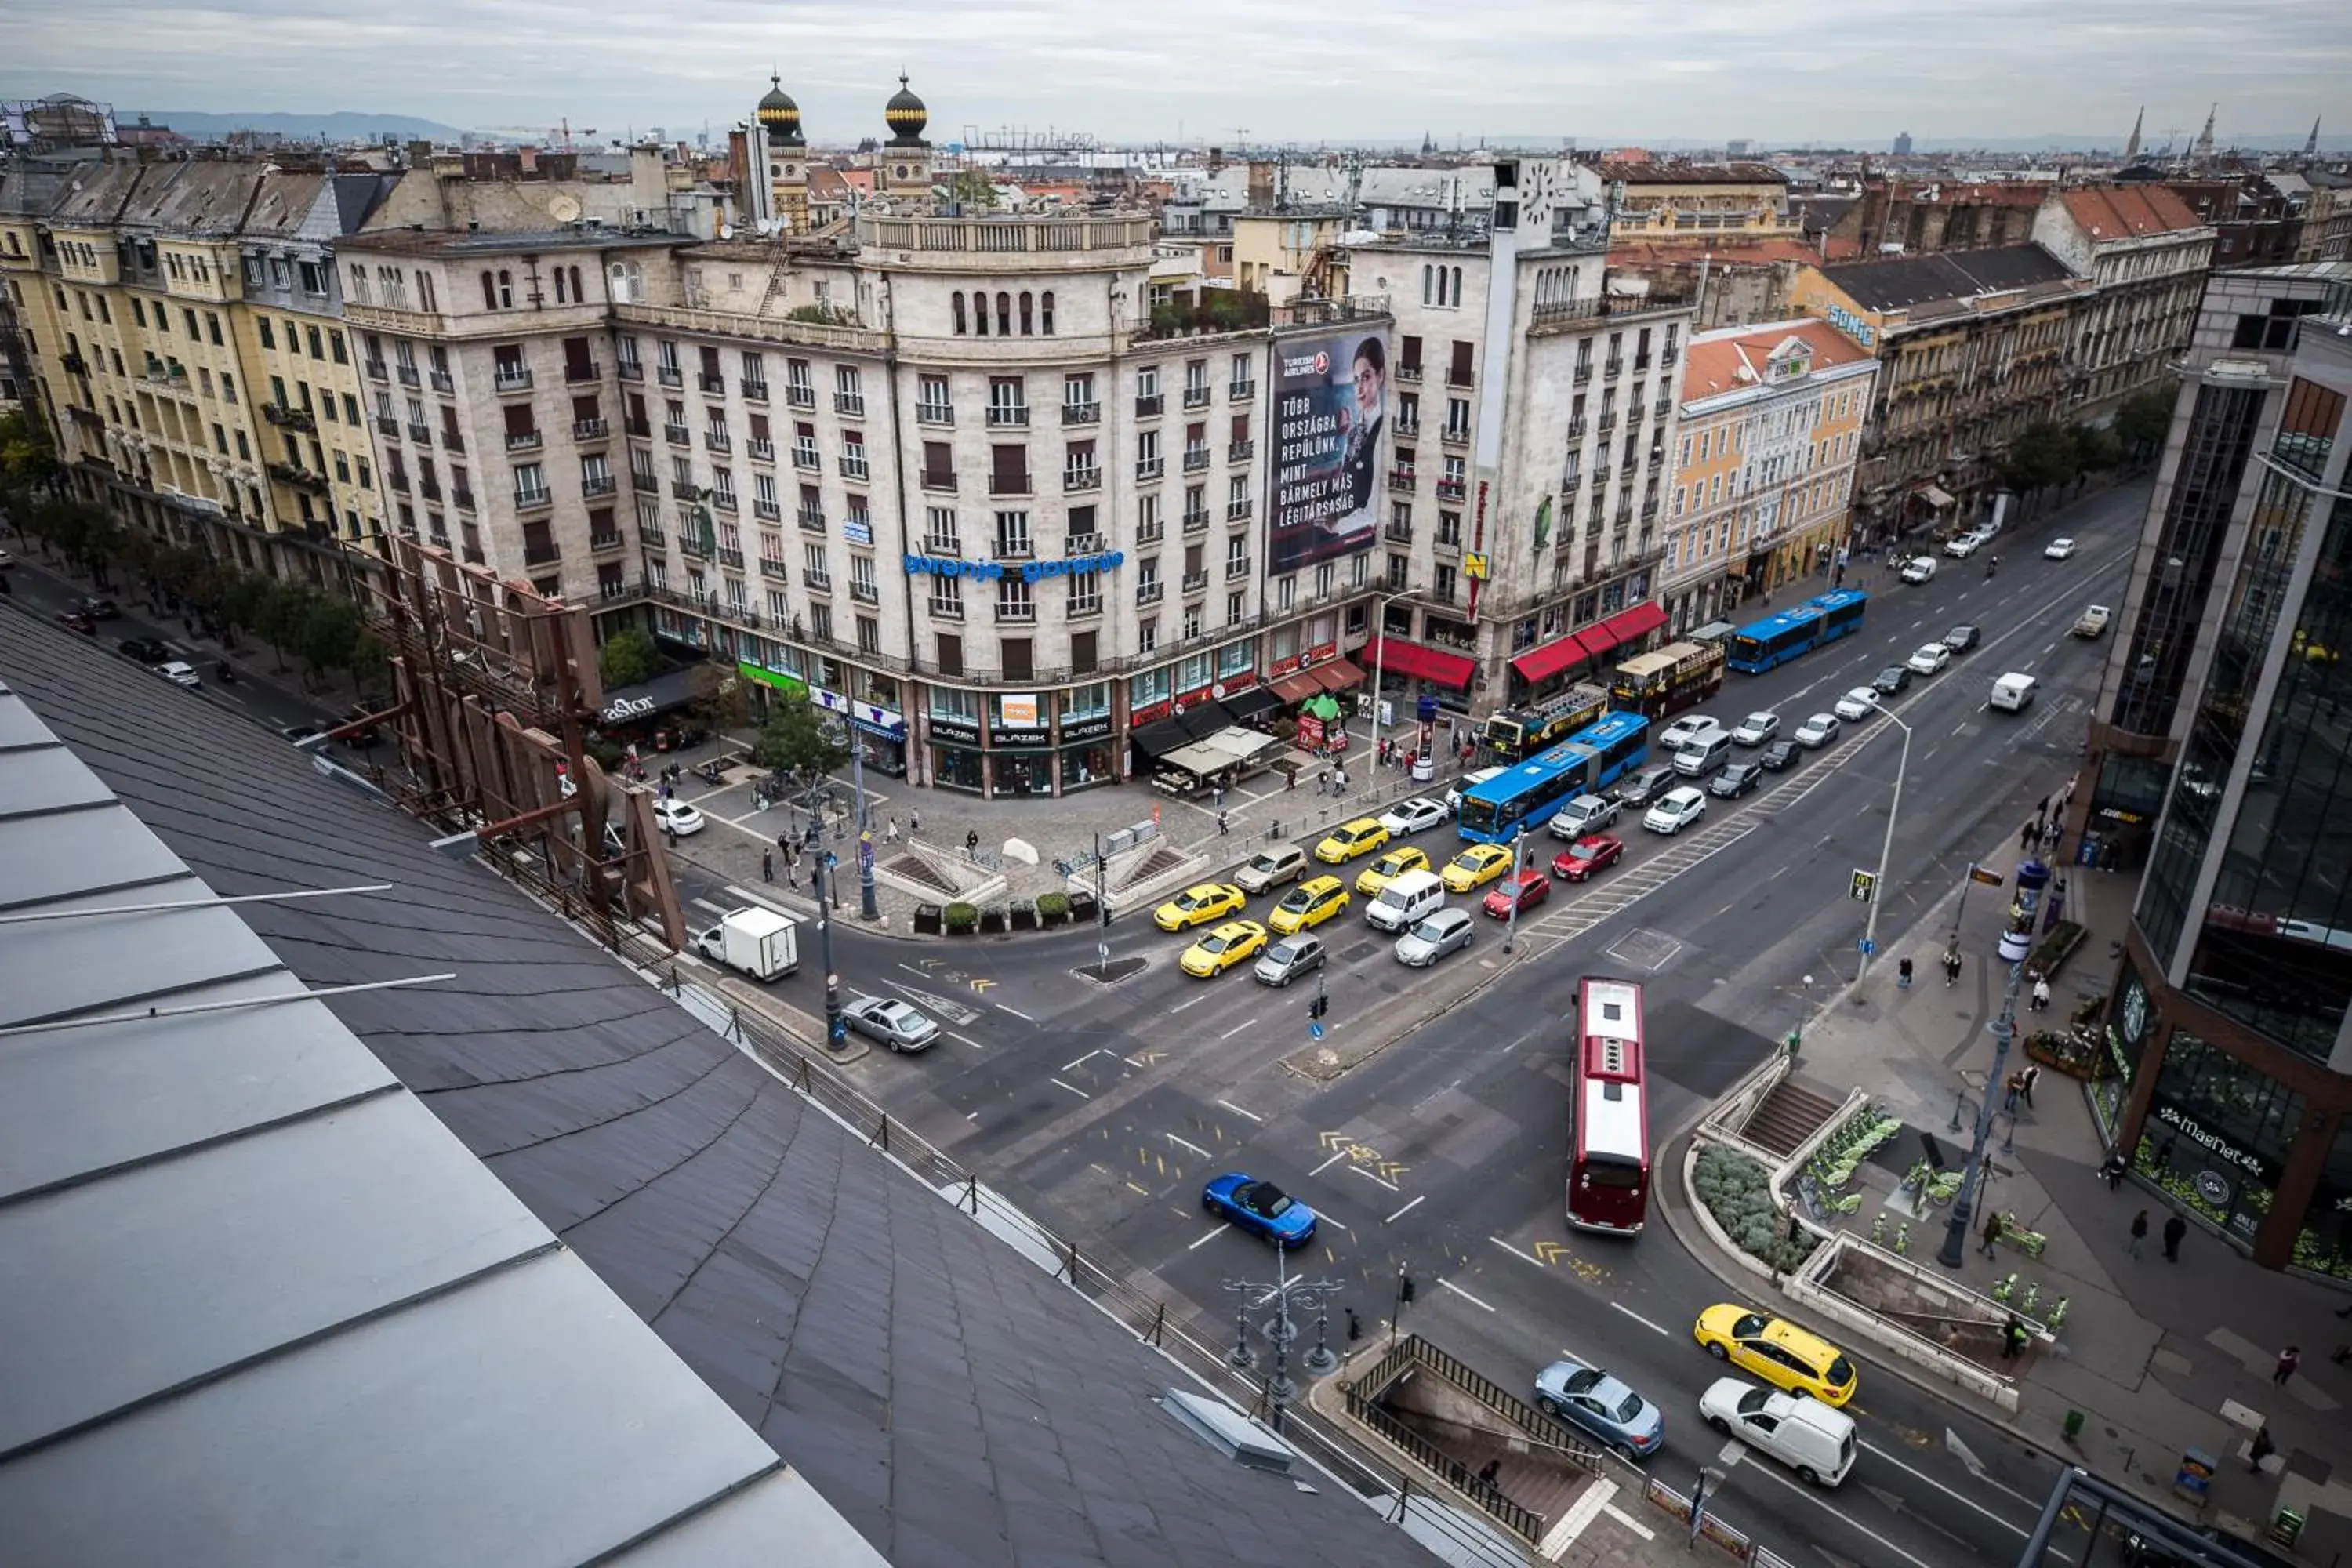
1314 1031
1869 948
1864 886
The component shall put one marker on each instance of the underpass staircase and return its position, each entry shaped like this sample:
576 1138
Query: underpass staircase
1789 1115
1445 1424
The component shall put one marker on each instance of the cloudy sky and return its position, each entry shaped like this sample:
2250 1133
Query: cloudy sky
1832 71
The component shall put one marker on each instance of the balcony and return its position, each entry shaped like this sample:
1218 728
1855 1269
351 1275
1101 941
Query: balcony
1615 367
1196 460
1576 428
510 377
1650 511
540 554
730 559
754 391
1149 592
717 441
386 424
1151 405
378 370
631 370
1196 397
421 434
692 542
1196 582
1197 522
651 533
939 483
1008 484
1662 407
1403 479
1078 544
1237 511
944 609
1241 391
849 404
806 459
1150 468
1668 355
1640 363
591 431
865 593
775 571
818 580
1239 451
1409 373
853 467
1012 547
576 374
940 414
1008 416
638 428
768 510
1460 378
1607 423
644 483
408 376
598 484
461 497
452 441
684 490
1236 566
605 543
534 500
1451 489
524 440
1583 374
800 394
1408 426
716 385
1023 611
811 519
1454 436
1397 533
1075 480
760 450
724 501
277 414
677 434
1084 609
1447 544
1150 532
1081 413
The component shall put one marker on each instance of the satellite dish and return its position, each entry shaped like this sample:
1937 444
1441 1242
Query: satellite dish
563 209
726 231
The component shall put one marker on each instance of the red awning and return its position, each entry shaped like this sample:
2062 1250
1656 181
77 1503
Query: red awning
1598 639
1297 688
1634 625
1541 664
1338 675
1393 657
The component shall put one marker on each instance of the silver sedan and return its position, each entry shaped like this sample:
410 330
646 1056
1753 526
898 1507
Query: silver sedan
894 1023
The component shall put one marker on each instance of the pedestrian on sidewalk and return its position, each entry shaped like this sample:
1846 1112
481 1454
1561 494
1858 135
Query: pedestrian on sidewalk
2289 1358
2174 1229
2040 994
1218 796
1903 975
914 822
1339 779
1355 1326
972 844
2013 1087
1991 1231
671 829
2138 1234
1221 825
767 865
2025 1082
2013 1337
2261 1448
1322 781
890 829
2113 1168
1951 966
2026 839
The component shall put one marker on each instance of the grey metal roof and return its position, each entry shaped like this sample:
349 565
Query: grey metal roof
1896 282
241 1264
949 1399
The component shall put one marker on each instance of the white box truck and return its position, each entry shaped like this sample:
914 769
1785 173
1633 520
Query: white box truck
757 942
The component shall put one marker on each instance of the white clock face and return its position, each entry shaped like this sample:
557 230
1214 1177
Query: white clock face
2135 1009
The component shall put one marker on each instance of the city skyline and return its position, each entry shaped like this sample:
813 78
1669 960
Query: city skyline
1498 71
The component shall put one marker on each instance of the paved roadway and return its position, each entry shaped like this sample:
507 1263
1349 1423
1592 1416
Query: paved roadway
1104 1108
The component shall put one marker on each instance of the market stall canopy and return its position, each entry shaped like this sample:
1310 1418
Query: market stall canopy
1325 708
1248 705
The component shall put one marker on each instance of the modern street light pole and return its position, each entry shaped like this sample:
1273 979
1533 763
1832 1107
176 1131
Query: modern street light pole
867 909
821 863
2016 943
1518 861
1381 661
1885 853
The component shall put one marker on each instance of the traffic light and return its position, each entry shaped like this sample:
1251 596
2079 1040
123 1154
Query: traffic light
1318 1005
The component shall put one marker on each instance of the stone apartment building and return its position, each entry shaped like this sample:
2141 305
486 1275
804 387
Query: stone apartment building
2146 256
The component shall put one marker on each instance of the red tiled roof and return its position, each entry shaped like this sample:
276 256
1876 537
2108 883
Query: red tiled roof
2116 212
1711 364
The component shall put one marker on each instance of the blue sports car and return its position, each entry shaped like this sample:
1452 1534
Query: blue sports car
1259 1206
1605 1408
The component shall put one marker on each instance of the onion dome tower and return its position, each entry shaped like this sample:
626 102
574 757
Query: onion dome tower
786 153
904 162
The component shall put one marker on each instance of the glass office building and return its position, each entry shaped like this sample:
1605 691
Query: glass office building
2222 764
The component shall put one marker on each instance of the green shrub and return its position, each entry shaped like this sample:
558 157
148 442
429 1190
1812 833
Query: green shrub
1054 905
961 916
1737 1192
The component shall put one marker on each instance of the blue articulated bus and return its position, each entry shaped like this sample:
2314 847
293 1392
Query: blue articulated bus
1786 633
1525 797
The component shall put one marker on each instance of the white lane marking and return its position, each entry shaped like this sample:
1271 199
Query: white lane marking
1406 1210
1580 1513
1329 1164
1839 1514
1181 1005
1210 1237
1237 1029
1237 1110
1017 1012
1734 1450
1515 1251
1629 1521
1081 1093
1641 1319
1074 1066
917 973
2010 1525
1185 1143
1465 1295
1369 1177
964 1039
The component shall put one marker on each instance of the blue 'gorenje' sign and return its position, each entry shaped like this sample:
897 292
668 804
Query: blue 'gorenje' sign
1030 571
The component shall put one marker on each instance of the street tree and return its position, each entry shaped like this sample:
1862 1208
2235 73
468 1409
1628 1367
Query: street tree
720 700
331 628
794 742
628 658
2144 420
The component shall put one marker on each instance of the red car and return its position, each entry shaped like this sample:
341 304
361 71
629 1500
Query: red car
76 621
1530 889
1592 853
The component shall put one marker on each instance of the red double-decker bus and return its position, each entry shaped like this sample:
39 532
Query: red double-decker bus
1609 1121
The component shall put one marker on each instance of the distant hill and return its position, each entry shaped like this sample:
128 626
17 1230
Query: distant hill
342 126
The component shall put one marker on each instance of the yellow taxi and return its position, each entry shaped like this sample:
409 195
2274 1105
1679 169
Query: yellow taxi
1223 948
1389 867
1199 906
1475 867
1777 1351
1309 904
1349 839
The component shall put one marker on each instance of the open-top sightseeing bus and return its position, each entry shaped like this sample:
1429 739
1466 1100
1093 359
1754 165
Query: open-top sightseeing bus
1609 1123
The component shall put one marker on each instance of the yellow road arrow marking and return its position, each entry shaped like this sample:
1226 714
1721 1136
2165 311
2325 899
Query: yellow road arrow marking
1551 1251
1331 1140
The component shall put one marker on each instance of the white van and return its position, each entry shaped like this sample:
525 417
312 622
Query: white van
1406 901
1705 755
2012 694
1804 1434
1467 783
